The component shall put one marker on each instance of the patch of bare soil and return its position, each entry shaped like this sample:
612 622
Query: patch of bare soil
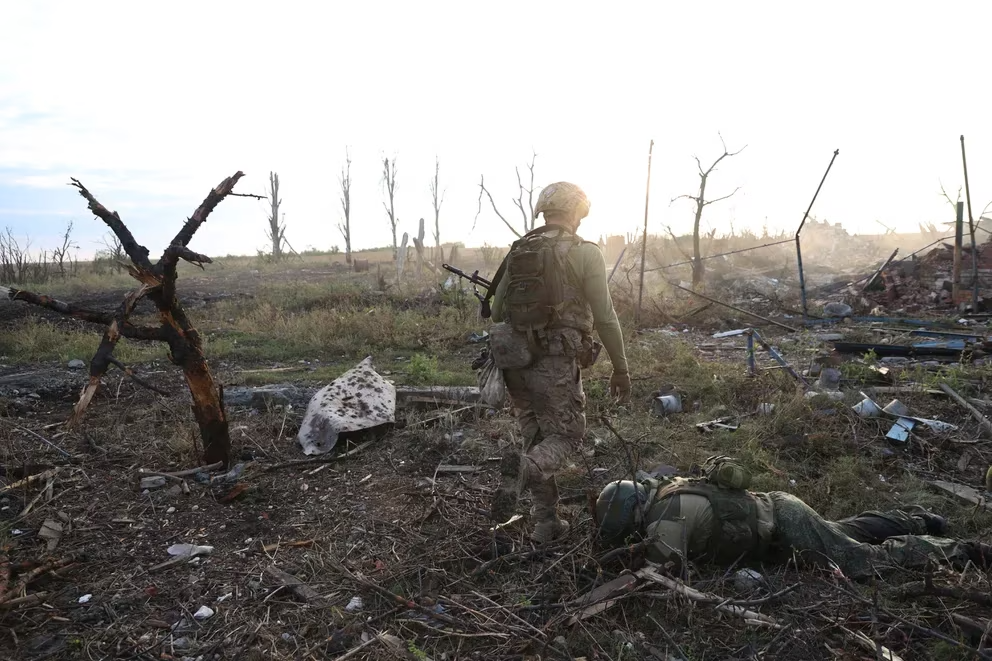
384 553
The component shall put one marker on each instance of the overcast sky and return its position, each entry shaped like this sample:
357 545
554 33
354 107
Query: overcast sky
151 105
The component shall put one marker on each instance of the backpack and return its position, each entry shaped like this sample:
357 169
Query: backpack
536 267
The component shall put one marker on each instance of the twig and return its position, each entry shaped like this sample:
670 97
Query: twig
679 587
975 413
29 600
37 477
127 370
318 460
183 473
921 588
25 580
4 575
45 441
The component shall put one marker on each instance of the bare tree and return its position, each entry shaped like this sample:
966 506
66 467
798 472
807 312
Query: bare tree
702 203
438 198
277 229
526 210
389 188
345 227
62 256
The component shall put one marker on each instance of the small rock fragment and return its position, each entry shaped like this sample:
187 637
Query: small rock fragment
152 482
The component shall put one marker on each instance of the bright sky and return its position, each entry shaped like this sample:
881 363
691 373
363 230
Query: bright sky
152 104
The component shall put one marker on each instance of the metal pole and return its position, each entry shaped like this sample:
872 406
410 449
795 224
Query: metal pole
615 266
644 239
799 251
971 228
958 239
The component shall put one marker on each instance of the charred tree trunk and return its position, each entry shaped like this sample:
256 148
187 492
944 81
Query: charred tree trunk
276 230
158 283
345 227
697 257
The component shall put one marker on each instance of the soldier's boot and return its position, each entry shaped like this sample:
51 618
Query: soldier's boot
980 553
935 524
548 526
504 502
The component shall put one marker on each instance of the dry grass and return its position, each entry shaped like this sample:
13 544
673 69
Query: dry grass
384 521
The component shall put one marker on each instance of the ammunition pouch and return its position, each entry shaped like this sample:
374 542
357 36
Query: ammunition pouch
510 349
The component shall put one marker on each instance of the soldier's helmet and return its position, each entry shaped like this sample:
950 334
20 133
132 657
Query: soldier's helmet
563 197
618 511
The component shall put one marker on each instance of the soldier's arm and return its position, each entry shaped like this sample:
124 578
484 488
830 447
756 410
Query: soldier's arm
497 305
596 289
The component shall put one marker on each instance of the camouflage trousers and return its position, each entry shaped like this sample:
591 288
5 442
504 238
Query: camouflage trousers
550 408
800 530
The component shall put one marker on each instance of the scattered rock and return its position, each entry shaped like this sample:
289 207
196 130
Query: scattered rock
837 310
76 364
152 482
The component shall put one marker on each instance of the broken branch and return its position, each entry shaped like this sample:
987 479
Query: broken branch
137 252
214 197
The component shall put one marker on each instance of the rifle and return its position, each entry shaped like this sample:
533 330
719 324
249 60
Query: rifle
476 280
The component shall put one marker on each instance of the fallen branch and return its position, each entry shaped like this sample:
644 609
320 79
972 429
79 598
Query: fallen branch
922 588
295 585
681 588
27 481
25 580
318 460
181 474
975 413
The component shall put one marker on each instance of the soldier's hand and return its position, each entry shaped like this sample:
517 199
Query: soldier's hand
620 386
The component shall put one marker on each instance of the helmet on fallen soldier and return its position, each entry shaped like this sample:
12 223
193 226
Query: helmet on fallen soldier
619 509
563 197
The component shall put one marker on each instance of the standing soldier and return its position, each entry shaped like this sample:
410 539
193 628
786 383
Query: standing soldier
550 292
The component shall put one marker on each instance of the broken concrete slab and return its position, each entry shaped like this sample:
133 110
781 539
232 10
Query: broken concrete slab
964 492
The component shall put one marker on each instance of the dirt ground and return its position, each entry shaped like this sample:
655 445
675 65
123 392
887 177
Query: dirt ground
396 556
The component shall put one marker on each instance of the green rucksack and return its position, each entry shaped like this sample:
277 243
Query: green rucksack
536 272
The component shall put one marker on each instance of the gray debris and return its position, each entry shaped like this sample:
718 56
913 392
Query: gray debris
264 396
152 482
837 310
76 364
358 399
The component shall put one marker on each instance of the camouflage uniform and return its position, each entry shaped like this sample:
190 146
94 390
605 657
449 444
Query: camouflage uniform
869 543
550 408
798 527
547 395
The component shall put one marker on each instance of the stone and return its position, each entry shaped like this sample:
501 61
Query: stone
76 364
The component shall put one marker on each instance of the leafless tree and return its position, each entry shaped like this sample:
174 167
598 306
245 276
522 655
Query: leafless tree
62 256
277 229
526 208
345 227
389 188
702 203
438 197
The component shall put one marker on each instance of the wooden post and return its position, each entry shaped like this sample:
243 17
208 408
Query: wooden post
971 229
958 239
644 244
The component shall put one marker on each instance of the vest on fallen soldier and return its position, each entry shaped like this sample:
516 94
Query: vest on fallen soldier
734 534
543 292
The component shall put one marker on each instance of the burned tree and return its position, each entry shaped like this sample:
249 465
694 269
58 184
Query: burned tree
702 203
277 228
389 188
158 282
345 227
438 199
526 208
